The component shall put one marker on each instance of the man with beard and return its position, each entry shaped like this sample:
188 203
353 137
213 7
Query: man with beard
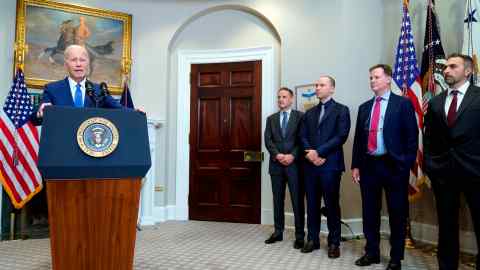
452 155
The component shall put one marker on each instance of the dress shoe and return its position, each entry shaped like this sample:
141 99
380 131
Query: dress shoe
298 244
392 265
309 247
274 238
333 252
367 260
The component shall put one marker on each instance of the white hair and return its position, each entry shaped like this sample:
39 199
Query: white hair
66 53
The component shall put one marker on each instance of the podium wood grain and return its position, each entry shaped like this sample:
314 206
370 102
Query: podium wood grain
93 223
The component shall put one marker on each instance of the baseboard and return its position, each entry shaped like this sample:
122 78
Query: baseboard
164 213
352 229
428 233
425 233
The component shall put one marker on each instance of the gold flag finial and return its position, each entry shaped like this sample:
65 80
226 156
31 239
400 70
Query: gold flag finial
20 52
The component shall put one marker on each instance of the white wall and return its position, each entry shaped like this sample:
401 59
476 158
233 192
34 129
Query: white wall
342 38
217 30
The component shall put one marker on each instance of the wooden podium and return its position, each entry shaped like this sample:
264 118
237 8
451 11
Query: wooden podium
93 201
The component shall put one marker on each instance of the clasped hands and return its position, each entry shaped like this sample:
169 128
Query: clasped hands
285 159
313 157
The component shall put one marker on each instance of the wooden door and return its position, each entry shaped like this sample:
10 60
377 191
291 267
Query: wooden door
225 121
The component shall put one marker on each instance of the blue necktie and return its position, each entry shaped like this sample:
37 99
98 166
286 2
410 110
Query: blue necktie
284 124
322 113
78 96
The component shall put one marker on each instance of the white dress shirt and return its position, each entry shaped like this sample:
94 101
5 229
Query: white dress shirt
462 90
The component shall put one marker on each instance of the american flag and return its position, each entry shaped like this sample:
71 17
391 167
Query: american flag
19 140
406 77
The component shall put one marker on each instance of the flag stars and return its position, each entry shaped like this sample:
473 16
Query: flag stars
471 17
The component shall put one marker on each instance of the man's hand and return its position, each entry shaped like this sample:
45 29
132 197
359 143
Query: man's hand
356 175
311 155
280 158
288 159
319 161
140 110
40 110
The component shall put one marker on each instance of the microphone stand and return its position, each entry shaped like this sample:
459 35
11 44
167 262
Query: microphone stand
96 98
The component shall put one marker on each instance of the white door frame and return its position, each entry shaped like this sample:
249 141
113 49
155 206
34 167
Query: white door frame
185 59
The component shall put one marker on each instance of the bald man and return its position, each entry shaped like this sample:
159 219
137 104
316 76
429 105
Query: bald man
323 132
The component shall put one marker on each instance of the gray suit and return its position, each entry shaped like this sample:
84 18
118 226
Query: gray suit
281 175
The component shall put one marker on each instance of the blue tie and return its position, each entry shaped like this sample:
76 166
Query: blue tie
78 96
284 124
322 113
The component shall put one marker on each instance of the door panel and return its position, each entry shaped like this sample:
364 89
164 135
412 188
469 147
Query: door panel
225 122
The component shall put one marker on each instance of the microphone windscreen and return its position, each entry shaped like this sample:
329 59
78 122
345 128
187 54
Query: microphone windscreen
89 88
104 88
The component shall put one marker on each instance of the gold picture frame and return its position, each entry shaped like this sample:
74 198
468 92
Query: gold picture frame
44 28
305 97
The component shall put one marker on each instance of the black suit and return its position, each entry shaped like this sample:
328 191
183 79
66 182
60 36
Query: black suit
327 138
452 162
389 172
280 174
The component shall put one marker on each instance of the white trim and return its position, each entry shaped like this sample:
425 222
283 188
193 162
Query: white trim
147 195
423 233
428 233
185 59
164 213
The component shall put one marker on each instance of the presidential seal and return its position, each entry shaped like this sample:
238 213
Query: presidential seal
97 137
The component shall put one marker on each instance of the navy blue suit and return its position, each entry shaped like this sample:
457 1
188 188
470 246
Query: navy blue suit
327 138
58 93
390 172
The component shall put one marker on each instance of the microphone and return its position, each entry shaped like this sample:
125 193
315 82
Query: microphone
89 89
104 89
90 92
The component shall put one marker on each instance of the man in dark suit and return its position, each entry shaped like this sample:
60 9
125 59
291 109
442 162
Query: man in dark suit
384 149
323 132
452 155
71 91
282 143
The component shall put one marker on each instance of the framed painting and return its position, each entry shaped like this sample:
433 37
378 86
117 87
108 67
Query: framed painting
45 28
305 97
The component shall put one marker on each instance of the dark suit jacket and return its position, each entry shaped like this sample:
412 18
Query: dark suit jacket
455 150
275 142
400 132
328 137
58 93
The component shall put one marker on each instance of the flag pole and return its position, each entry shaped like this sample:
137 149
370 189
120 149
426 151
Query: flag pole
409 241
12 226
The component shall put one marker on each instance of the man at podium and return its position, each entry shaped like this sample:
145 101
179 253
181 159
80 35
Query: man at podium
75 90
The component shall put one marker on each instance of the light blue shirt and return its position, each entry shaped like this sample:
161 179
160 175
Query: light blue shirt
73 87
381 149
